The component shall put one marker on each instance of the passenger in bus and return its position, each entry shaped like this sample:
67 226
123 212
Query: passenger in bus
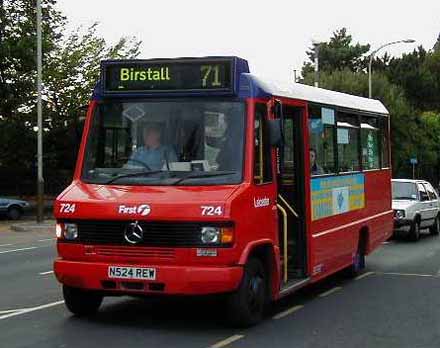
153 154
315 168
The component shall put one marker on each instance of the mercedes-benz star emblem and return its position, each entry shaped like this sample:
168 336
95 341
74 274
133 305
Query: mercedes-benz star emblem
134 234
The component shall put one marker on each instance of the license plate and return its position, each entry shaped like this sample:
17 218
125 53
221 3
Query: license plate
132 273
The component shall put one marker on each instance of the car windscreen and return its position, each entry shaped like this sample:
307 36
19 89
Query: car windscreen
404 190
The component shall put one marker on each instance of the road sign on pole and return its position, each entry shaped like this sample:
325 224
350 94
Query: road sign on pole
413 162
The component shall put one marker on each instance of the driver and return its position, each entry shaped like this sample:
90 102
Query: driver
153 154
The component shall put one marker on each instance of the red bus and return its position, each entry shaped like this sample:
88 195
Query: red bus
195 177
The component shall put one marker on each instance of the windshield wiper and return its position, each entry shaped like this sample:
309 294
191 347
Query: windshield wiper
202 175
409 198
131 175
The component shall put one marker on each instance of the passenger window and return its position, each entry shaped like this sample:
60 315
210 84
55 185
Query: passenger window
431 192
262 148
370 143
384 130
422 193
322 130
348 142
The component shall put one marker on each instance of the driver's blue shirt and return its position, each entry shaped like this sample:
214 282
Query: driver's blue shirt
155 159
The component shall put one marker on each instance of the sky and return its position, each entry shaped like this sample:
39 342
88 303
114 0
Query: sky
272 35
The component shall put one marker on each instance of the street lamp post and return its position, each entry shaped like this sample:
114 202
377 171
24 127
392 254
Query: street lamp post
370 90
316 45
40 179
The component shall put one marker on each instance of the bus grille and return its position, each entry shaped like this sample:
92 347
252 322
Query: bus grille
181 234
157 253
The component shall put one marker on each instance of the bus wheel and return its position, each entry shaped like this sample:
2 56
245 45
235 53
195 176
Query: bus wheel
358 264
246 305
81 302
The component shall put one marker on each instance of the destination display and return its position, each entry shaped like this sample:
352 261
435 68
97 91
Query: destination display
167 75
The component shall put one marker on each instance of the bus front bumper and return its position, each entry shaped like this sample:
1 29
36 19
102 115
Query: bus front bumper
170 280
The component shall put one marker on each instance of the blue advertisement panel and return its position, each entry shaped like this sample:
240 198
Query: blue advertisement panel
337 195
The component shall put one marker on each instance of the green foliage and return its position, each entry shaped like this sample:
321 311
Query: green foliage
70 71
338 54
73 70
436 47
18 73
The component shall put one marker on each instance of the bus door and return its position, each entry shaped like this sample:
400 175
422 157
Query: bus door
291 197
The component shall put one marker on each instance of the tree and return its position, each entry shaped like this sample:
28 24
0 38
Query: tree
436 47
71 69
18 73
338 54
70 77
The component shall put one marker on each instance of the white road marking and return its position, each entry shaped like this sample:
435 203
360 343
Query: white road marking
24 249
3 245
45 273
227 341
28 310
331 291
15 250
408 274
287 312
10 311
363 275
45 240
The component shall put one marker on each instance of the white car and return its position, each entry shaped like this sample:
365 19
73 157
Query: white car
416 206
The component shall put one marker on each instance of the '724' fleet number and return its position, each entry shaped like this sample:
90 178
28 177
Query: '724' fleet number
67 208
210 210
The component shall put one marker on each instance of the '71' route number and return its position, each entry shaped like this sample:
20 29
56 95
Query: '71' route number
210 210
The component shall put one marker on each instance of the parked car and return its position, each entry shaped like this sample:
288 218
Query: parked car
416 206
13 208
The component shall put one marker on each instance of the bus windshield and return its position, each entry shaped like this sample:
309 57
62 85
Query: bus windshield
166 143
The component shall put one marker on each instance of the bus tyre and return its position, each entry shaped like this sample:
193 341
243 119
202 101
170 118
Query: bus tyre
81 302
358 264
246 305
435 228
414 232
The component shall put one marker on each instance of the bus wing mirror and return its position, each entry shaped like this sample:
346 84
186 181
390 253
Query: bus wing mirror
275 132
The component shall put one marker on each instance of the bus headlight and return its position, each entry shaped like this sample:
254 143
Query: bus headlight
217 235
67 231
210 235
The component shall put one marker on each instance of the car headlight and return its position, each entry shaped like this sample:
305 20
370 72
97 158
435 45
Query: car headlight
399 214
217 235
66 231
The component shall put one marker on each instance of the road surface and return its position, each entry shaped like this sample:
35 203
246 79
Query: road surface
394 303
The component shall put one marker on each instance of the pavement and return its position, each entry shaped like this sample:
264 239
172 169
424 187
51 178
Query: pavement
28 224
394 303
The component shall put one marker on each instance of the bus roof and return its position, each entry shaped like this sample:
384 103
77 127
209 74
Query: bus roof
316 95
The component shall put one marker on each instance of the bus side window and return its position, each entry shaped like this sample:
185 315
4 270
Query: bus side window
262 148
348 142
322 131
370 143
